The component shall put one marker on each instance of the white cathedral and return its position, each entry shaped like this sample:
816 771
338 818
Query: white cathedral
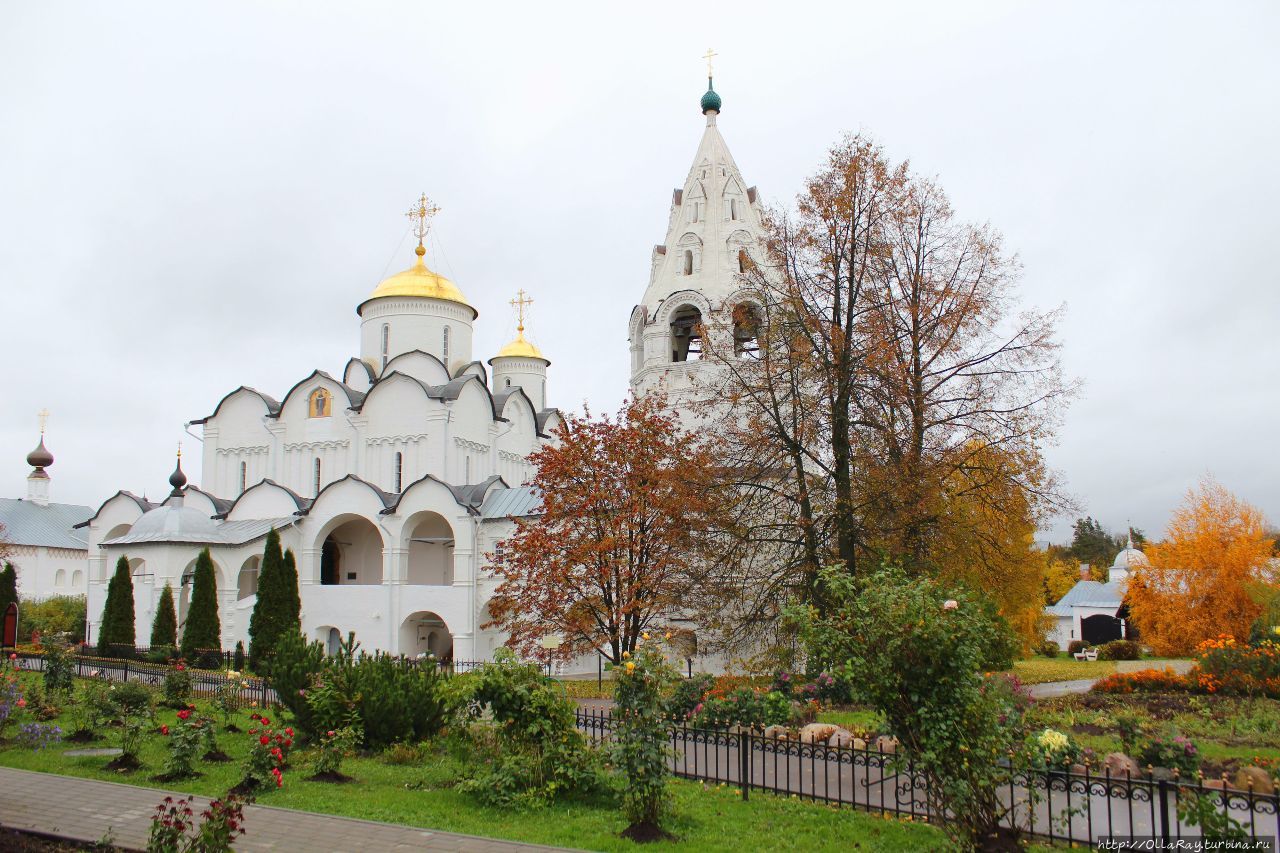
393 481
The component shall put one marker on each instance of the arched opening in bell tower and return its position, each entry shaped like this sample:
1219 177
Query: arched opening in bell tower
686 334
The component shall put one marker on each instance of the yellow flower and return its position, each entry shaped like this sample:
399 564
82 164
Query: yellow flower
626 655
630 666
645 635
232 675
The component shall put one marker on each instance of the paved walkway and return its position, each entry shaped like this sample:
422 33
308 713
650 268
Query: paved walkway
86 809
1050 689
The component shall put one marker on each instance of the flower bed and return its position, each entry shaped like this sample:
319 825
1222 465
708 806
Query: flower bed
1144 681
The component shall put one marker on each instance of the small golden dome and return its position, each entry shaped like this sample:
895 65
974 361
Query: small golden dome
520 348
418 280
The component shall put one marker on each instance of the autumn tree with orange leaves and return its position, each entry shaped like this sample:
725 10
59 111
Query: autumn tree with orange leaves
627 509
1197 586
894 400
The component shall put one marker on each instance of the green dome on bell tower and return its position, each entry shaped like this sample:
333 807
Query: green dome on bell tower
710 101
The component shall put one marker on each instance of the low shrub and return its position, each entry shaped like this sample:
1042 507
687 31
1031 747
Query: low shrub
185 736
1049 649
174 828
743 707
385 699
268 751
335 745
37 736
1173 751
404 754
1144 681
176 688
1051 750
640 746
532 752
59 669
1076 646
1120 650
686 695
160 654
131 698
1226 666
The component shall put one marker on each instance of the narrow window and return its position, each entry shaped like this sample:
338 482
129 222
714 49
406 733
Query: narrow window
317 477
688 262
508 385
694 212
244 475
399 471
386 343
466 471
446 346
743 261
499 554
733 208
686 334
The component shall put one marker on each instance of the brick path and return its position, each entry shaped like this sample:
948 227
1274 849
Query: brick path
84 809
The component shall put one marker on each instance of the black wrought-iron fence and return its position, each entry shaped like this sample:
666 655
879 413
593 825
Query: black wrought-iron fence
1059 806
203 682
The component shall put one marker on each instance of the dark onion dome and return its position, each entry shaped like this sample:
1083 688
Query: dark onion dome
178 479
40 457
710 101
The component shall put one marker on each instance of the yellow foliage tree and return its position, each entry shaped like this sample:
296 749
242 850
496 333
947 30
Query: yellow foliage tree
988 542
1197 586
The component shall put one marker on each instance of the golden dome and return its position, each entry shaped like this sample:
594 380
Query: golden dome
418 280
520 348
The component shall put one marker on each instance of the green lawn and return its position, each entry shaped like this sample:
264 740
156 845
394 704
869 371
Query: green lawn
706 817
1040 670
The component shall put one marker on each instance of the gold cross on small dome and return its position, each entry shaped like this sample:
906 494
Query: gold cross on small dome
43 415
422 212
520 303
708 56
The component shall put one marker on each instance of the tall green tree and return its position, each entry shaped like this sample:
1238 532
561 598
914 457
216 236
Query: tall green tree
118 627
1091 543
164 628
264 624
290 600
203 629
8 587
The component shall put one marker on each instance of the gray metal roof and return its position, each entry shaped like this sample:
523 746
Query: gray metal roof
27 523
1089 594
222 533
517 502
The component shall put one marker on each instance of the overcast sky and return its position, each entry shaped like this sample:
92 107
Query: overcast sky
196 196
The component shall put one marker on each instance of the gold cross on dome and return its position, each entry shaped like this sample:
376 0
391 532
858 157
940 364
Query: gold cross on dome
422 212
43 415
708 56
520 303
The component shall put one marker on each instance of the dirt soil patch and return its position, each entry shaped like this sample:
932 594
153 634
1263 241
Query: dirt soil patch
123 764
332 777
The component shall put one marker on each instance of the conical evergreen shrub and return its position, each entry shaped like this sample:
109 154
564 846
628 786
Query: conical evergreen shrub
290 600
203 629
118 626
164 628
264 628
8 587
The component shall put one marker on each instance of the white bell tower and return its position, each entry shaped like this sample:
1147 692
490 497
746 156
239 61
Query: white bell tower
714 234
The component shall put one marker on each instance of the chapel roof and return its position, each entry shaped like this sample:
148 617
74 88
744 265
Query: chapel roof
43 526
